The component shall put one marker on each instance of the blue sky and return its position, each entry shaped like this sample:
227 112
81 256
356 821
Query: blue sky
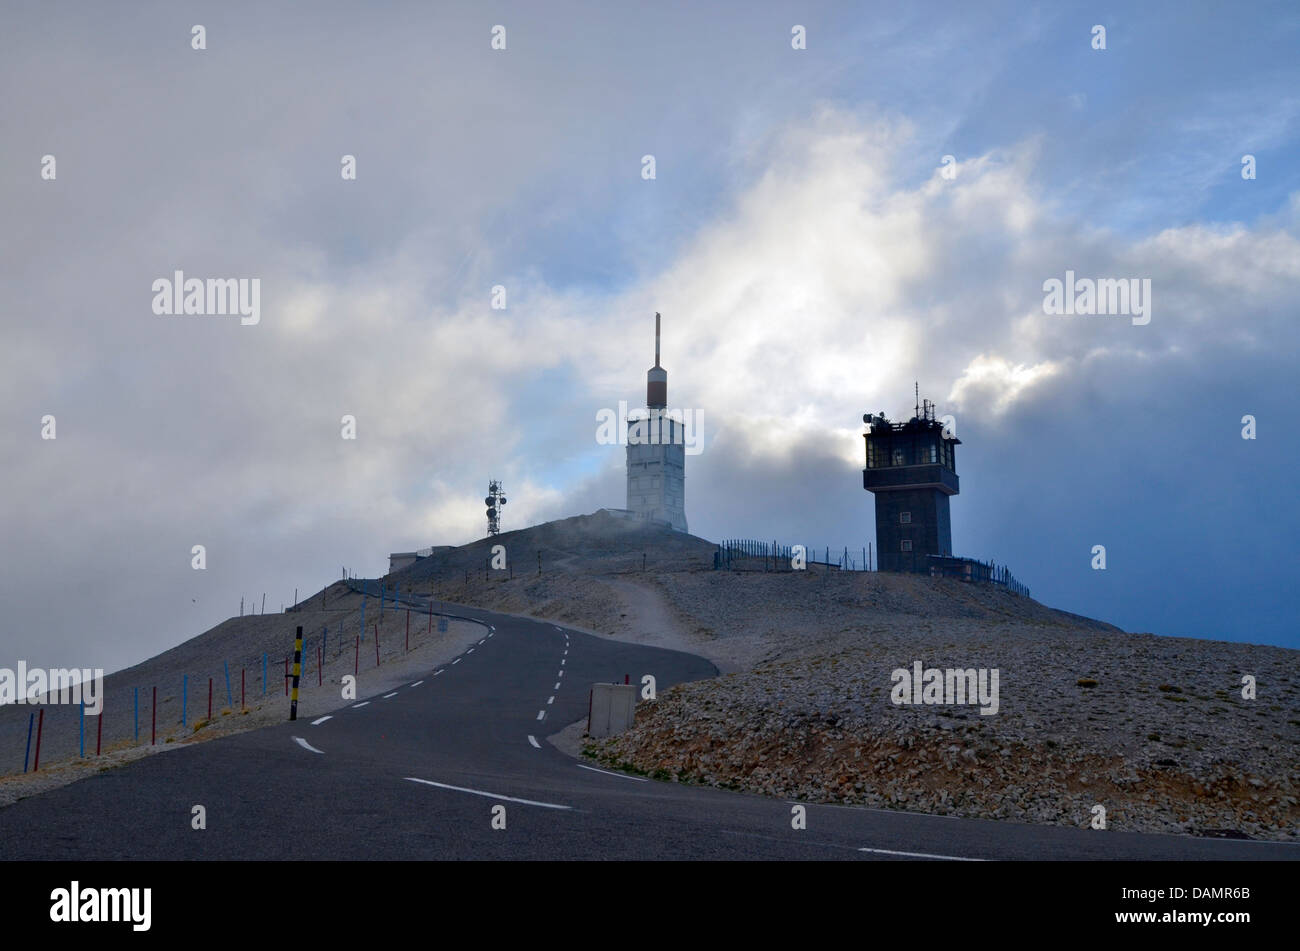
808 257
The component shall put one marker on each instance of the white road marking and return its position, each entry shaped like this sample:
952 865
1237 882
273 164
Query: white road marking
921 855
551 701
561 673
393 694
561 663
470 651
456 661
557 686
479 792
305 745
322 720
638 779
361 704
540 714
417 683
437 672
533 740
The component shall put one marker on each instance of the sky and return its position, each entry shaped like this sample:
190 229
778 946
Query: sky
810 251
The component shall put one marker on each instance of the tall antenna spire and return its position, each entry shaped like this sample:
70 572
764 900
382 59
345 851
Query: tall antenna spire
656 378
917 384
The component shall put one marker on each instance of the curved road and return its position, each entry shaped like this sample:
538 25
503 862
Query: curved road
416 773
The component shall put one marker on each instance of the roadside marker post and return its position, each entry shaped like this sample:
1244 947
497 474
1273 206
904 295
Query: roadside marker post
230 699
40 726
209 699
320 675
377 642
81 729
27 757
297 671
286 676
135 705
356 657
408 630
243 703
99 731
185 696
153 718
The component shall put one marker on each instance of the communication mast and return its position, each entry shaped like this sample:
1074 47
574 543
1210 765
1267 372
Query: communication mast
495 499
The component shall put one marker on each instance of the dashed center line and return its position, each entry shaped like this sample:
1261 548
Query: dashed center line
417 683
387 695
322 720
456 661
437 672
533 740
540 714
557 686
305 745
551 701
357 706
480 792
561 673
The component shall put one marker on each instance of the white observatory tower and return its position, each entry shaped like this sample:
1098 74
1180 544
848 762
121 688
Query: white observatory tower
656 454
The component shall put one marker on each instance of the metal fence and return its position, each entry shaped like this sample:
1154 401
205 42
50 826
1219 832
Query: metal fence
747 554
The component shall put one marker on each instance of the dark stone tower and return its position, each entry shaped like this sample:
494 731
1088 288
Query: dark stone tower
911 469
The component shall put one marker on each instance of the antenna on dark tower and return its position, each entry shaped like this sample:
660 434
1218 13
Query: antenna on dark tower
917 412
656 338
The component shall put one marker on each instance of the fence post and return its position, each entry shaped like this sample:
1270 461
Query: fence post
356 657
376 645
297 671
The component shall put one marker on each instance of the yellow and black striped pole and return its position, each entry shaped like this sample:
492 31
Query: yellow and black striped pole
297 671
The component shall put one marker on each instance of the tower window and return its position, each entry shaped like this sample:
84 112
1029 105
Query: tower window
907 544
898 457
905 518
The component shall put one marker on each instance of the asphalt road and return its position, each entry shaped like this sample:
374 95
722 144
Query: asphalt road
416 773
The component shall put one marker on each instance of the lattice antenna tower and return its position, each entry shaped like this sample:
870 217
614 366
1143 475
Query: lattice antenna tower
495 499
